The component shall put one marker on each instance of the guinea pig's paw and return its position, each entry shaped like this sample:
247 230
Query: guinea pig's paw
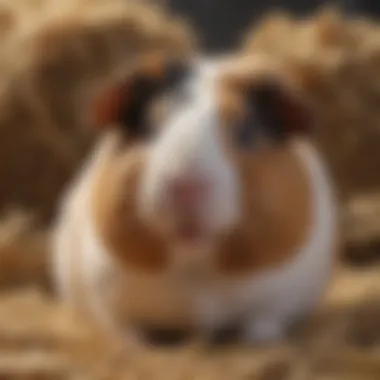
263 331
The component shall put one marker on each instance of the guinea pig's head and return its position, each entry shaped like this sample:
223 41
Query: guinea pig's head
200 126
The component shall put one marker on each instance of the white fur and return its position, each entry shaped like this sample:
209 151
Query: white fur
192 147
267 302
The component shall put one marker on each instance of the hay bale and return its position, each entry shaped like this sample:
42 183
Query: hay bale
56 56
361 229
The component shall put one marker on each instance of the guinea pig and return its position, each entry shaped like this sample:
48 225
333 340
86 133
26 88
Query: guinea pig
205 204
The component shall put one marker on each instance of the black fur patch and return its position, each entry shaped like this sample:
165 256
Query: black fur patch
141 92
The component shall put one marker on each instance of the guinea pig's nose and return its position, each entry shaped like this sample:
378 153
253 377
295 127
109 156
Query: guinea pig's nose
187 191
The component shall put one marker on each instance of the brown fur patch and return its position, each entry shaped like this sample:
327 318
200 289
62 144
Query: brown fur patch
115 211
276 207
151 301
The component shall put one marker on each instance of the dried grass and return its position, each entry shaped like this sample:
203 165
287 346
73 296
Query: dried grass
39 338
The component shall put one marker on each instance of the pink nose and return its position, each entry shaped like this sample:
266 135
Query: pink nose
187 192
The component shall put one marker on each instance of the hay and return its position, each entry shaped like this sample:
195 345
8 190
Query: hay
55 56
24 251
40 338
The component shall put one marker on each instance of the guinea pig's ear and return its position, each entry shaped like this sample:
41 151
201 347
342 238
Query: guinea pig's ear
279 112
126 104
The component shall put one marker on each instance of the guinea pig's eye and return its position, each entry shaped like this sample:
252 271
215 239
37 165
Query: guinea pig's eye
130 105
133 117
246 130
272 114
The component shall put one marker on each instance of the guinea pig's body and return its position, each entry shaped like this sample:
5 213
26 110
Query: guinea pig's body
263 263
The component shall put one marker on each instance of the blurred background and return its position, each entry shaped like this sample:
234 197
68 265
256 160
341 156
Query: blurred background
222 23
52 60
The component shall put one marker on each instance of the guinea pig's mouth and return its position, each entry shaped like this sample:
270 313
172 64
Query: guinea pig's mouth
185 226
189 228
189 231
